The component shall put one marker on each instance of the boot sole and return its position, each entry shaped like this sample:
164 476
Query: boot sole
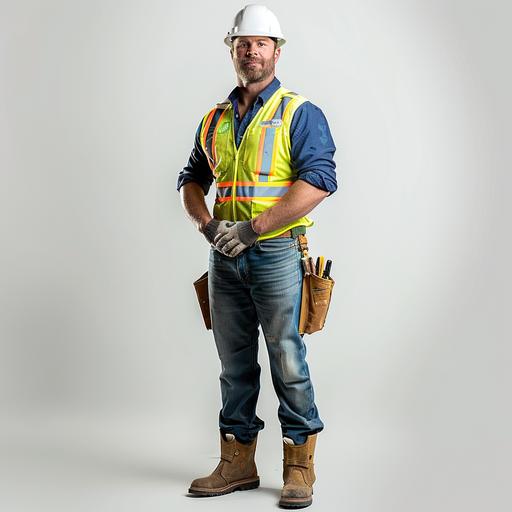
295 503
240 485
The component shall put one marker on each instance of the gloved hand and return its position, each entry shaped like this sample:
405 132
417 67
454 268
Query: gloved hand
233 237
210 230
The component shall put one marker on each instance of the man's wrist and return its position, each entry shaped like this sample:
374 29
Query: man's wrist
256 225
203 223
210 230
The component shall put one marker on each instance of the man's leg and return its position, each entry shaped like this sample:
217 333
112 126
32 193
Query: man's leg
235 328
276 283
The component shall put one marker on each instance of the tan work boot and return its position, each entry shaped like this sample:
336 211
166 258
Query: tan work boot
236 470
298 473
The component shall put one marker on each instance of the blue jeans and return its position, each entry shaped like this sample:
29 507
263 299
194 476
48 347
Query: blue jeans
261 286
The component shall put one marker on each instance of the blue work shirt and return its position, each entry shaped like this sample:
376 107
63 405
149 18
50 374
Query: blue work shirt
312 146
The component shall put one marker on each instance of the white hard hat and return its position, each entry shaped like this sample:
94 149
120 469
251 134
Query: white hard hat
255 20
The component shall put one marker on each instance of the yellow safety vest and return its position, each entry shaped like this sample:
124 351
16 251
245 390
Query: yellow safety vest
255 176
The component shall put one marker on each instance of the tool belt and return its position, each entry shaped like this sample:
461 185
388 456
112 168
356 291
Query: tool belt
316 295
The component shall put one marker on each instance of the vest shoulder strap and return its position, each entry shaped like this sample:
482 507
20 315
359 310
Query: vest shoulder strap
286 99
209 128
292 94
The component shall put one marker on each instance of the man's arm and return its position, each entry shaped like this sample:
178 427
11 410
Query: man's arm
194 182
197 169
192 199
300 199
312 150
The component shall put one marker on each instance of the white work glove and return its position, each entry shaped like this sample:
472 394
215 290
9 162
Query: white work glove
233 237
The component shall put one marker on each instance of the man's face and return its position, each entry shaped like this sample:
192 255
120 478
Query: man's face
254 58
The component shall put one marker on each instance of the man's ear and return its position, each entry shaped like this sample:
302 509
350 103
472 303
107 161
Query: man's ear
277 54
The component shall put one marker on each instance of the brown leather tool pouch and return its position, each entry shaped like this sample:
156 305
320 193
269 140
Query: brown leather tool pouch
201 287
316 297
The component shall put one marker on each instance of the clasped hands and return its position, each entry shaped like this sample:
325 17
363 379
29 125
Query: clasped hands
230 238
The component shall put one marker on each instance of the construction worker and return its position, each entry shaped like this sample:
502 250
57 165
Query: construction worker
270 153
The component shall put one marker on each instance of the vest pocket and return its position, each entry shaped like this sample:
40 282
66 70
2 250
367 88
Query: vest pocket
223 211
260 205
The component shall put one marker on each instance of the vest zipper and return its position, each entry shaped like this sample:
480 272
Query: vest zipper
233 189
237 154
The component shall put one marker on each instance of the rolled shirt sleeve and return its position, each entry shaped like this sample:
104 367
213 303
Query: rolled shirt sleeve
197 168
312 148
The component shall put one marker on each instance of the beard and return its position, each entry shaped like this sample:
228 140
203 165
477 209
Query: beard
254 73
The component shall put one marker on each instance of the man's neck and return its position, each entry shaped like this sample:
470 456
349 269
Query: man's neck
247 93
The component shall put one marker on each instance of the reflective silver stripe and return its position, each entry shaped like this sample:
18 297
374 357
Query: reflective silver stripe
269 133
224 191
251 191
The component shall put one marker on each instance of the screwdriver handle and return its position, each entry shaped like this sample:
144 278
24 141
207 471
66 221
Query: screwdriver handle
319 266
311 265
327 271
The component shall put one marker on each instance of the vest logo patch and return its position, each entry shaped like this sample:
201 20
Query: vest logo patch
224 127
273 123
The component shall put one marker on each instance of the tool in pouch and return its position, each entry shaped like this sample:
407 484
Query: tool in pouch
317 285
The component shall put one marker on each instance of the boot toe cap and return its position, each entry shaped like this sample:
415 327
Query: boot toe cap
212 482
199 482
295 491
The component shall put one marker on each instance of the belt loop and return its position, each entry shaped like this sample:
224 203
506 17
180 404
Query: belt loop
298 230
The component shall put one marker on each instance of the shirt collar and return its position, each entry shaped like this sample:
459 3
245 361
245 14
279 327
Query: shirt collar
263 96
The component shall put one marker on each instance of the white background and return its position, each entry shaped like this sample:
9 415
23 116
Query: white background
108 381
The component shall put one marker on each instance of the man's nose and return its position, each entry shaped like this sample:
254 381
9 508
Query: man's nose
252 49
